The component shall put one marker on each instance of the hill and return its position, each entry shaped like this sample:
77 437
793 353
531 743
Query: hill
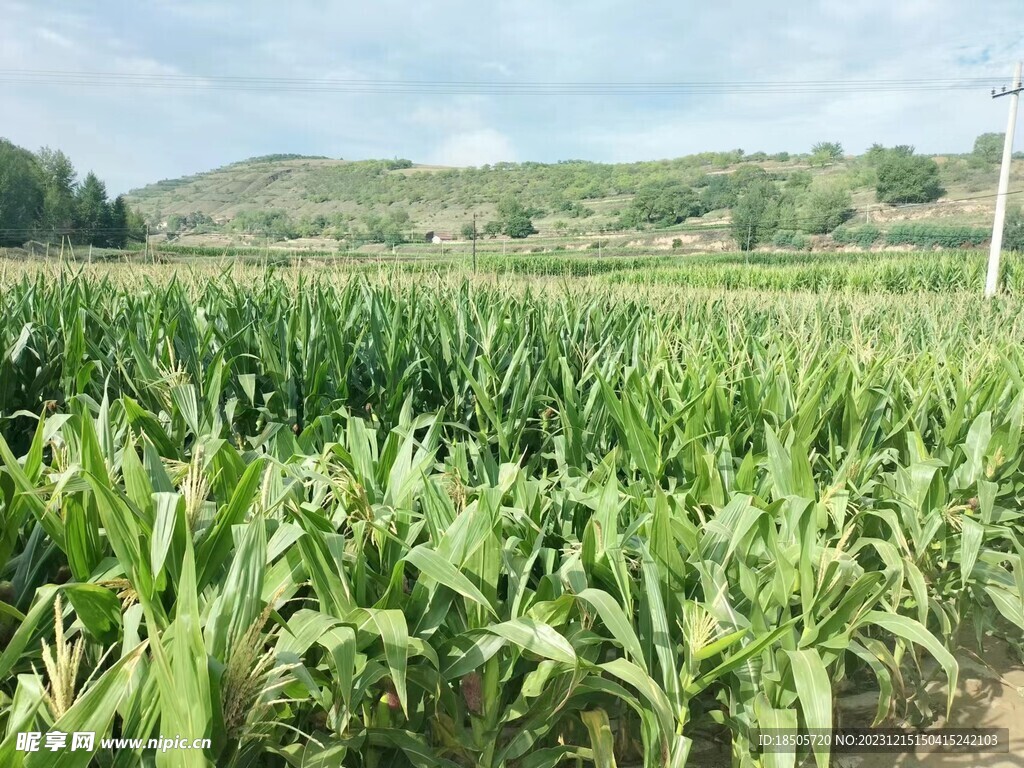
294 196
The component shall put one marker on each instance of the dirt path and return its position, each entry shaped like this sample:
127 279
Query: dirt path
990 696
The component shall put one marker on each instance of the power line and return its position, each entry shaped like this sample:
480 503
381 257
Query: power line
498 88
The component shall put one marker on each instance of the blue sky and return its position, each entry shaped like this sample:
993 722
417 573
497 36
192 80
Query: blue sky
135 136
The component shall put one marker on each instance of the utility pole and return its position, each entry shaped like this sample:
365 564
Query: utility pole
992 279
474 243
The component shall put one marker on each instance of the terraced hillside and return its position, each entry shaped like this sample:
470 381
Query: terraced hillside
332 197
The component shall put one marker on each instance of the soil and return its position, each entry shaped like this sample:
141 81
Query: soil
990 693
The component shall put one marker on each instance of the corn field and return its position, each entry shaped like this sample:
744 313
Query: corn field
906 272
408 520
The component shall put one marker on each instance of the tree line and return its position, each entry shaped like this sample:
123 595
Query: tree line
42 199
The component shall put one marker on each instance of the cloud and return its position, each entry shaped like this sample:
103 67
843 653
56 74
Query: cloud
133 136
480 147
55 38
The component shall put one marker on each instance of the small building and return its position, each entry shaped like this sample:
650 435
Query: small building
439 237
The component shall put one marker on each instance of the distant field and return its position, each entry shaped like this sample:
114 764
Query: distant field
904 272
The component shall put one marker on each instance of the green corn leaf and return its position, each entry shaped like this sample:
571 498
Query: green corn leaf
98 609
602 742
395 635
536 637
443 572
814 692
915 632
613 617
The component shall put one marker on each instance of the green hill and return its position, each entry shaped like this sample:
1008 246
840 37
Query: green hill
320 196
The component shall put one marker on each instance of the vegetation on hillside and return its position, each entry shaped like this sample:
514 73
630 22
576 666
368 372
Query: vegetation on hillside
810 194
780 200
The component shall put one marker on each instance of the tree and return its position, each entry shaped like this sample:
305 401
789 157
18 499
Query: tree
748 175
275 224
468 231
907 178
117 236
875 154
988 147
826 153
662 204
136 226
59 192
21 194
515 219
719 192
92 212
492 228
1013 230
799 180
389 229
400 216
755 218
825 209
519 226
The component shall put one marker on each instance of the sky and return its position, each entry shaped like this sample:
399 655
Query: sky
134 136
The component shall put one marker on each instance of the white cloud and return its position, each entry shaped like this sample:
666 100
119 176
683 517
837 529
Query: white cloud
133 136
479 147
55 38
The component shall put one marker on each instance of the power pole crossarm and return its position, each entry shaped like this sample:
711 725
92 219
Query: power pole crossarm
992 279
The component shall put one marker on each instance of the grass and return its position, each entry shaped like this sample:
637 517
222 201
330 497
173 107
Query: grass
402 518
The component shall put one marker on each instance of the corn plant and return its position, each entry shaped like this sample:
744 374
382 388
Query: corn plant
336 519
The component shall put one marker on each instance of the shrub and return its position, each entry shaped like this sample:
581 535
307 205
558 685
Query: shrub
864 236
788 238
826 208
904 178
1013 230
929 236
